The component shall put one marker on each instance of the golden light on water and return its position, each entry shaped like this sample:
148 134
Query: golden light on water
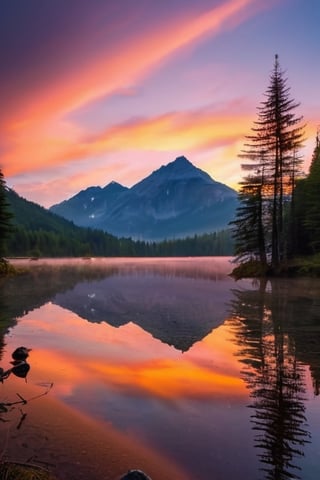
127 358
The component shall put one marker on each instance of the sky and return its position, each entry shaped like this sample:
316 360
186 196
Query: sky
94 91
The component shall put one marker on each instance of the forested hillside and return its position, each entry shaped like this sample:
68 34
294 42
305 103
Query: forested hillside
39 232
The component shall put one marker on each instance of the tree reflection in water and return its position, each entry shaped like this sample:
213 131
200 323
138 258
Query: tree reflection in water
274 376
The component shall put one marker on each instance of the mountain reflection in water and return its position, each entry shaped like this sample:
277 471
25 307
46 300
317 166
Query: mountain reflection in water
167 354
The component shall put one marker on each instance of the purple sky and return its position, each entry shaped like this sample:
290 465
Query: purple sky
96 90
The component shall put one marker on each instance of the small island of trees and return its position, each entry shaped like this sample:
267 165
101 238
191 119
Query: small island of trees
279 216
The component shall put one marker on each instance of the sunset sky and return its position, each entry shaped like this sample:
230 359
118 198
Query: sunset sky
100 90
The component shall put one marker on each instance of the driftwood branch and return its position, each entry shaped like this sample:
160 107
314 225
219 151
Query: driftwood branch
23 401
20 368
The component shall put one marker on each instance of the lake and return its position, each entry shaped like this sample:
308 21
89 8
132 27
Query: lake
166 365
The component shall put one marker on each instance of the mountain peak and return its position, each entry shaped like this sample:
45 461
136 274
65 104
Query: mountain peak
114 186
182 160
182 169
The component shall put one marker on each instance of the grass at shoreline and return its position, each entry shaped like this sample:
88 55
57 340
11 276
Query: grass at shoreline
309 266
19 471
296 267
6 268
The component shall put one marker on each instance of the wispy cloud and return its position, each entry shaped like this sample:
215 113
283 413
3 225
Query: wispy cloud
185 131
36 132
178 131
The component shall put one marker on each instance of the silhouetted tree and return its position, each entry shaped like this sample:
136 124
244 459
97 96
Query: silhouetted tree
5 217
312 200
248 226
272 150
306 220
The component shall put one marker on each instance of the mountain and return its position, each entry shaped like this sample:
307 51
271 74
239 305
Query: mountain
175 201
89 204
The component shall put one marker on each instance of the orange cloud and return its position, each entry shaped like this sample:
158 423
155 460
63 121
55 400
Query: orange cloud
170 379
37 136
105 75
183 131
166 378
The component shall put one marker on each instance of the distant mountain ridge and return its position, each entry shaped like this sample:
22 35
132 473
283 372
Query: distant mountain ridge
85 206
175 201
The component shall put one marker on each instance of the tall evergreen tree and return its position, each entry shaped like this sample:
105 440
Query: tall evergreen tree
311 201
272 149
5 216
248 226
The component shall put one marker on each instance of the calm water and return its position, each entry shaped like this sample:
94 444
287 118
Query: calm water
167 365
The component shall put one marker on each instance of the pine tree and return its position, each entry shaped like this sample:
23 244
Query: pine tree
272 149
312 200
248 227
282 136
5 217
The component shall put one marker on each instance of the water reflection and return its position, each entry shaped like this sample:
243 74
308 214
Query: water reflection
163 297
166 308
153 351
3 323
277 331
143 351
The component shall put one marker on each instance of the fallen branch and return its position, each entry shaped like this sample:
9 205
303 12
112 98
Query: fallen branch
23 401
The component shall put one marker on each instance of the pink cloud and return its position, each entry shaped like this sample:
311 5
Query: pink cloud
34 127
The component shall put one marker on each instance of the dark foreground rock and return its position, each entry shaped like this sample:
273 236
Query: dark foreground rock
135 475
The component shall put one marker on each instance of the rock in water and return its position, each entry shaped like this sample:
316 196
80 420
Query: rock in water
135 475
21 353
